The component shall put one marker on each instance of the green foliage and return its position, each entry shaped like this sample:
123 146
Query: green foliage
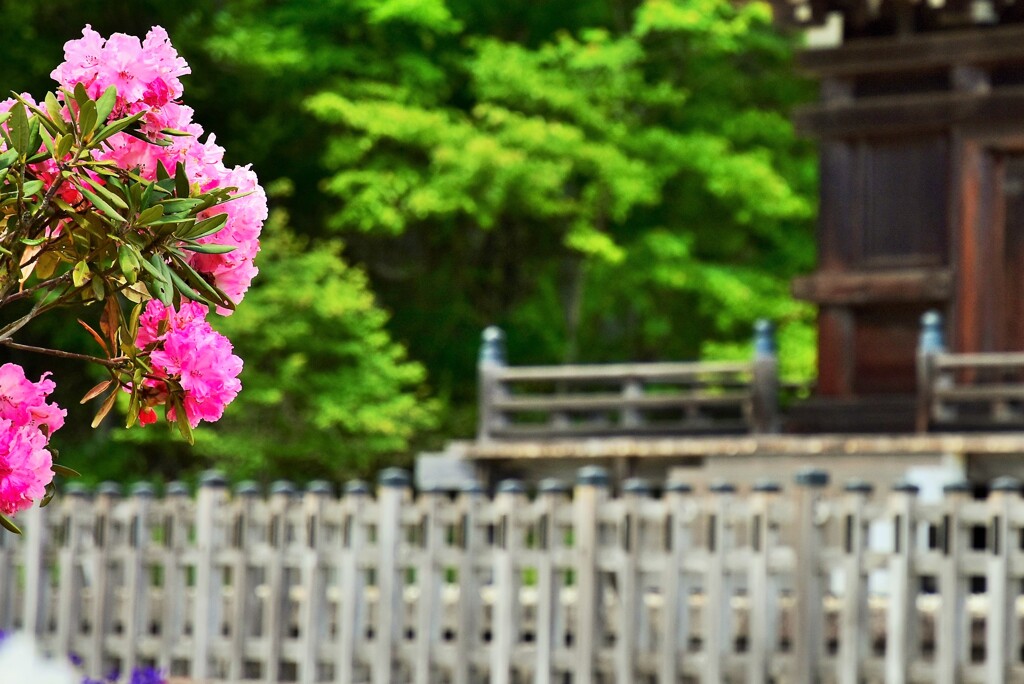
326 391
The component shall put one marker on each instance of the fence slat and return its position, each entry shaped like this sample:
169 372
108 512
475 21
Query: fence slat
591 492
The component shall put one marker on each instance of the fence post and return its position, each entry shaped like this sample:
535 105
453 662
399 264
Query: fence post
312 628
137 605
809 620
591 493
393 486
675 633
206 616
429 580
930 343
716 613
35 571
492 359
761 592
552 496
75 514
1000 628
275 609
246 494
766 378
351 610
467 637
107 495
901 622
177 507
853 616
951 633
634 491
511 497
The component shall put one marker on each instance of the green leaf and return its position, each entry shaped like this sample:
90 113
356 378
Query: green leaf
150 215
53 108
115 127
181 286
80 95
154 271
107 194
32 187
80 273
128 261
9 525
105 104
64 146
100 204
208 249
181 184
7 159
206 227
87 119
19 129
65 471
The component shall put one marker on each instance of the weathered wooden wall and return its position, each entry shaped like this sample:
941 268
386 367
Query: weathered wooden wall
802 584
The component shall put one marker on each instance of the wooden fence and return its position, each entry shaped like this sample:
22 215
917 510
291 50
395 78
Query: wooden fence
564 585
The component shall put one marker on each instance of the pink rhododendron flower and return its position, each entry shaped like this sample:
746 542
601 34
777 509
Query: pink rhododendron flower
183 347
26 422
146 76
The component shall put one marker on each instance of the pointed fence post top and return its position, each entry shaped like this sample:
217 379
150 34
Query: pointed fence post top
492 347
764 338
933 339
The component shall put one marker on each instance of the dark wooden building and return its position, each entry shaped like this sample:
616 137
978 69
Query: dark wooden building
921 131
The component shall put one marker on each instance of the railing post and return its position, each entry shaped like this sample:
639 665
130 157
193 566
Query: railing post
492 359
766 378
591 493
392 489
107 496
853 613
1000 629
809 623
429 580
206 617
931 342
76 514
35 570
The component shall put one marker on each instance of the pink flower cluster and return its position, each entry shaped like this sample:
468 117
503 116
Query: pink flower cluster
146 75
183 347
26 423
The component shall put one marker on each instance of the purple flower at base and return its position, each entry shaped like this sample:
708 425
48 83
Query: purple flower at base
147 675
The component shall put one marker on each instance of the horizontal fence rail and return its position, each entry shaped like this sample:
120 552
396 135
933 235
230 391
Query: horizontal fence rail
806 583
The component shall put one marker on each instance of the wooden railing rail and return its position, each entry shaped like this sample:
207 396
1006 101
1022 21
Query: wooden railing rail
967 390
626 399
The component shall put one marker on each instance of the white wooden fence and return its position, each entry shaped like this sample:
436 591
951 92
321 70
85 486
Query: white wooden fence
568 585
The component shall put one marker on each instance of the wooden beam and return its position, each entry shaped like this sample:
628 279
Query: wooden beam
916 53
862 287
916 112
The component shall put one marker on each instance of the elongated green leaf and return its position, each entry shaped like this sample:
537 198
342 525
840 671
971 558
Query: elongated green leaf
115 127
64 146
53 108
100 204
66 471
9 525
105 105
32 187
208 249
181 286
181 184
80 273
19 129
206 227
176 205
150 215
106 193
